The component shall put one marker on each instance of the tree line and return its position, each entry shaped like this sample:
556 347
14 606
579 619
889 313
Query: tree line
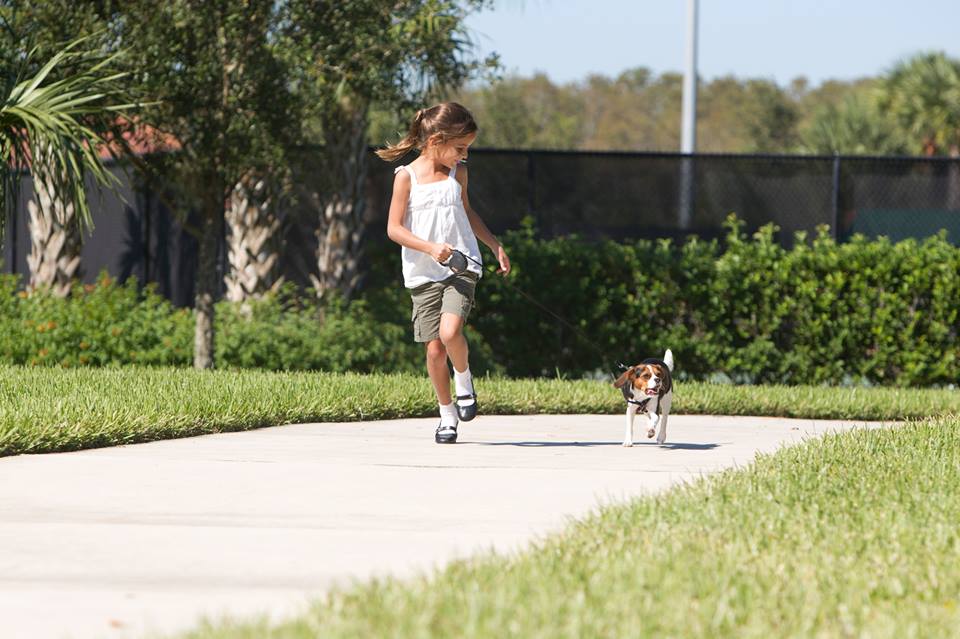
914 108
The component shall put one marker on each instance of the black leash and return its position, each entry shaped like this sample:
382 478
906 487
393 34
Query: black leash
457 262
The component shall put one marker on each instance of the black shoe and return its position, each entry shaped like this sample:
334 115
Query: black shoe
445 434
466 413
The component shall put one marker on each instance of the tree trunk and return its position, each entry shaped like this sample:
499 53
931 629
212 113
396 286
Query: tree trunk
55 240
251 242
207 289
341 205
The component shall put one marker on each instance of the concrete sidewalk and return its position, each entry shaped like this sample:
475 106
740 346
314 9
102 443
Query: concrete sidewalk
119 542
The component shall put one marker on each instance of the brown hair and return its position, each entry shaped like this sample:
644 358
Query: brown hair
448 119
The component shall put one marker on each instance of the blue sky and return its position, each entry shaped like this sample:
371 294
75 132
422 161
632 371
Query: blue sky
773 39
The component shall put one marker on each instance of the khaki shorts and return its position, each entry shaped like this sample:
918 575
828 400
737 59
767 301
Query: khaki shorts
430 300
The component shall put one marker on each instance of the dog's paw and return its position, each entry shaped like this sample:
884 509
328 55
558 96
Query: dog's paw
651 433
627 444
661 440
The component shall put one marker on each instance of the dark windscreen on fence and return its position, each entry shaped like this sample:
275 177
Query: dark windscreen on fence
619 196
900 198
640 195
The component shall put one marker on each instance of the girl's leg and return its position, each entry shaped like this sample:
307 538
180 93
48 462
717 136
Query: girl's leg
451 335
437 370
440 376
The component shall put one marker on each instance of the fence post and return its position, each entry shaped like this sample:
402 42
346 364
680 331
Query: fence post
834 226
685 212
147 213
532 190
14 214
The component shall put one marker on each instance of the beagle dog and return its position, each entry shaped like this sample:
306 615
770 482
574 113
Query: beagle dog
649 387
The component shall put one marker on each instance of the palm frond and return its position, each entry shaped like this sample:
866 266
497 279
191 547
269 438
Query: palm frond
46 125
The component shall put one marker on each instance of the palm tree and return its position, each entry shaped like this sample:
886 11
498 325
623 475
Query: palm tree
53 128
55 235
856 126
341 205
923 95
252 240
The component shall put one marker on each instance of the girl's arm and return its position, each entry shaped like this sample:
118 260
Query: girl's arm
479 227
400 234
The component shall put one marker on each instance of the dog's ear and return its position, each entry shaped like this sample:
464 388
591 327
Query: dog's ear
623 379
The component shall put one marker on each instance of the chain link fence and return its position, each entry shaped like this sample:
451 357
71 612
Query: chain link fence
619 196
641 195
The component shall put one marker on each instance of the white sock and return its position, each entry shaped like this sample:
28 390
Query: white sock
448 415
464 384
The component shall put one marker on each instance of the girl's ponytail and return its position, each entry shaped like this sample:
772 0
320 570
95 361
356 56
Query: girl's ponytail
449 120
394 152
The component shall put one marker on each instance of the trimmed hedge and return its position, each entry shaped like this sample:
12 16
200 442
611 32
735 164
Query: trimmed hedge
861 312
110 324
100 324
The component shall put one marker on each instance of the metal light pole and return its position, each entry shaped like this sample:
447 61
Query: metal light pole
688 131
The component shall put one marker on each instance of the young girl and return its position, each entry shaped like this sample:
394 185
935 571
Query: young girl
430 217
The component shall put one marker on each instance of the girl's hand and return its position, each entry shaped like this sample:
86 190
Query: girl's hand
441 252
504 262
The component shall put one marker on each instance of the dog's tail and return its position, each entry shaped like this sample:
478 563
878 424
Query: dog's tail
668 359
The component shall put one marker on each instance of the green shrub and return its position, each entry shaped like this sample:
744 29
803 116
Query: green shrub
748 310
102 324
110 324
862 312
287 332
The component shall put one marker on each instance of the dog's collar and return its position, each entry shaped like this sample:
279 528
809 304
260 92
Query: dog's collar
628 395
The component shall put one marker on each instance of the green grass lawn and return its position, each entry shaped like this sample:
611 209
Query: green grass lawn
51 409
853 535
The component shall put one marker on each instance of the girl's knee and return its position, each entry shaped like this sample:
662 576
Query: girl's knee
436 349
449 335
450 332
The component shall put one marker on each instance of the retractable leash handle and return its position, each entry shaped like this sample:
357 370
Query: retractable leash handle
457 262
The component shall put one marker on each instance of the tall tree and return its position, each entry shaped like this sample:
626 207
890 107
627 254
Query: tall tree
56 237
855 126
224 94
635 111
55 223
364 55
50 125
923 96
746 115
252 239
527 112
830 95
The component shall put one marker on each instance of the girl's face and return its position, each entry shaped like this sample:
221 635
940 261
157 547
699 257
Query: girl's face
452 151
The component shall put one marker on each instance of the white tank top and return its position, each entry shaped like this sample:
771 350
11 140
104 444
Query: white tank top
435 213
